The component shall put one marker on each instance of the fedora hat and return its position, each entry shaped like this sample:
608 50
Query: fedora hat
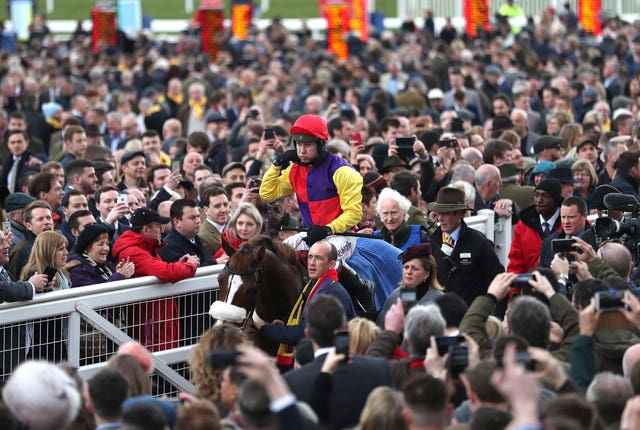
449 200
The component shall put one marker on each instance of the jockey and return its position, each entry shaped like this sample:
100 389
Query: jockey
323 279
328 188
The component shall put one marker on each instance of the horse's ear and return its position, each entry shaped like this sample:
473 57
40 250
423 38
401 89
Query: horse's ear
262 254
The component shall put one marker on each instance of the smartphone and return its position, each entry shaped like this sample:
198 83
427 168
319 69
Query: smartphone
175 165
522 281
50 272
458 360
269 134
408 297
255 183
522 357
609 300
253 113
221 358
405 147
357 137
341 339
446 342
6 226
123 198
448 143
562 245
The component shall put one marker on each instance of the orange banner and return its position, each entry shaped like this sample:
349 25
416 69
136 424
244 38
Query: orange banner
337 27
241 15
212 31
588 11
104 28
476 14
359 21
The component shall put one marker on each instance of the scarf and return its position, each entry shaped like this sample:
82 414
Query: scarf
177 99
398 237
285 352
103 271
54 123
198 107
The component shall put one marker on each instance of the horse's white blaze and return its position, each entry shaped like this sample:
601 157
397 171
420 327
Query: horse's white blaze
256 318
234 285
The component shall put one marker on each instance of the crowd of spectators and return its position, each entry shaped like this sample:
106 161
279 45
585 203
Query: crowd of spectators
109 156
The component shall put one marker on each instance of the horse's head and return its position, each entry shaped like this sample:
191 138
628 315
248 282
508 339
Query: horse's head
238 285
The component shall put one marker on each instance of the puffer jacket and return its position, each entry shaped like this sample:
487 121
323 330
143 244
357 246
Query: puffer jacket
156 323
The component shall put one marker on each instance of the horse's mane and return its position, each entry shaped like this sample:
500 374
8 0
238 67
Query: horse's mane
284 252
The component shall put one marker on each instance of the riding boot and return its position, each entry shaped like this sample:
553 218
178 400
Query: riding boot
362 291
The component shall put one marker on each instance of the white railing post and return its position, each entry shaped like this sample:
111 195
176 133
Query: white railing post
489 226
502 239
73 340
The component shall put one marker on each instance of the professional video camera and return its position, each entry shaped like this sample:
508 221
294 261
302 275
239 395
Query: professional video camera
627 229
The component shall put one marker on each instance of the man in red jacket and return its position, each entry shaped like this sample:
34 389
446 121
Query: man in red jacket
156 322
536 222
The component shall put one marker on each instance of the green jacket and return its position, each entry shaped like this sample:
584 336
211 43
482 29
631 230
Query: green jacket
473 324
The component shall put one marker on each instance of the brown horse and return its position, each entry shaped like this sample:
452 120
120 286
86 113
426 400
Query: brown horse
261 282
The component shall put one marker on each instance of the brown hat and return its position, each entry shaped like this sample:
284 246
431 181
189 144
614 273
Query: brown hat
449 200
416 251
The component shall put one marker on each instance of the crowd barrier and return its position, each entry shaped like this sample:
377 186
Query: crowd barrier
85 325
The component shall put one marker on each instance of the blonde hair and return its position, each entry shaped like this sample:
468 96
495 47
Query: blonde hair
361 334
383 411
245 209
585 165
43 255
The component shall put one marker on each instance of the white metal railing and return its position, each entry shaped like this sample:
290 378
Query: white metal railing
89 305
500 232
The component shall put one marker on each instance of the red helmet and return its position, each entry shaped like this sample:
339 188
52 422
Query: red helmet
312 125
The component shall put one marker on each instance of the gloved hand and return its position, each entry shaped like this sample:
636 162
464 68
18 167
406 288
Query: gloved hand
283 160
316 233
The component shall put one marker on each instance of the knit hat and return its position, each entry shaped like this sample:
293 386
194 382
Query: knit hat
50 109
553 187
375 181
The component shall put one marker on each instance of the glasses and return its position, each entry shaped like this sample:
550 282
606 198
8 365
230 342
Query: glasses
580 175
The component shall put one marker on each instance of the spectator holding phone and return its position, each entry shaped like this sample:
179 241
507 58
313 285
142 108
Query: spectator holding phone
47 253
49 256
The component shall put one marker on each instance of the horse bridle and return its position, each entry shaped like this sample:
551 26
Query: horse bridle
257 273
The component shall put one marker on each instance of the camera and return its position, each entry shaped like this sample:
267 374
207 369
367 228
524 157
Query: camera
408 297
255 183
448 143
609 300
221 358
627 229
346 111
444 343
269 134
253 113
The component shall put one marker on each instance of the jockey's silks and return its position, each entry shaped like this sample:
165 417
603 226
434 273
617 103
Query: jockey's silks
328 191
285 352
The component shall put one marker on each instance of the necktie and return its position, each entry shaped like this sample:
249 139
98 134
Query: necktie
545 228
448 240
4 275
13 174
